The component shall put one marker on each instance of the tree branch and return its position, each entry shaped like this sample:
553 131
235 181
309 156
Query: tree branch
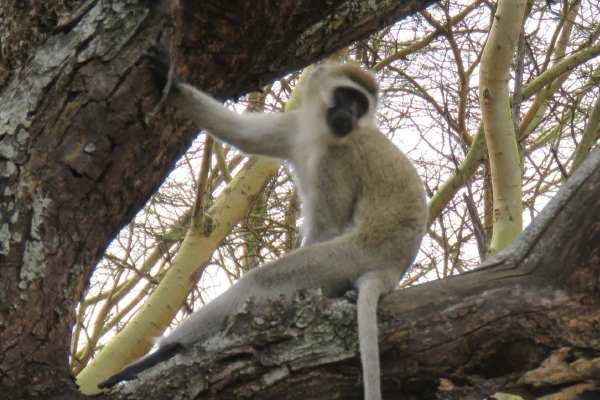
531 306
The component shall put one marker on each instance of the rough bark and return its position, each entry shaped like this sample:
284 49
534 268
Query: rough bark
79 155
24 26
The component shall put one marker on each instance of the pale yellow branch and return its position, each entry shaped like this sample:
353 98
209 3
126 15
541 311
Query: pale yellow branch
155 316
498 125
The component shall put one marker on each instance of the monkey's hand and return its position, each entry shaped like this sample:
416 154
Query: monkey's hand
160 64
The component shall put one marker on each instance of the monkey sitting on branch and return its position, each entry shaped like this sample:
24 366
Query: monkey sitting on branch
363 204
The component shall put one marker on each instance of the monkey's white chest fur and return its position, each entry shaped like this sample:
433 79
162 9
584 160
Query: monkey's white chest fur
310 147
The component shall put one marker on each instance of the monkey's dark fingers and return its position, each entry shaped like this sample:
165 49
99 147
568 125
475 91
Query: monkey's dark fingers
160 63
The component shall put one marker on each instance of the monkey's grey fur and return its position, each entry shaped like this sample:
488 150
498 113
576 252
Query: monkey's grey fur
363 205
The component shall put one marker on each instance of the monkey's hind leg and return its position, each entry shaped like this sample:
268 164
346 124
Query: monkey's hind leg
369 289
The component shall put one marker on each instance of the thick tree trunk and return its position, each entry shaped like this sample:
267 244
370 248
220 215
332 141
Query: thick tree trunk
79 155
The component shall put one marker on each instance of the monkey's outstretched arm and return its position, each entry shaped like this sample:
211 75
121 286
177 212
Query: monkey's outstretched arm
254 133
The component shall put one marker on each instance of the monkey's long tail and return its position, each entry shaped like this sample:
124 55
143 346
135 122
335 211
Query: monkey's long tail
369 290
131 372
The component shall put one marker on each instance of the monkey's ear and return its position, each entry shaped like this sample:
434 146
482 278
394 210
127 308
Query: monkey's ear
160 63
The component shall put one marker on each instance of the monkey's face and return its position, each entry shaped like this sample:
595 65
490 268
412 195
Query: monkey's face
349 105
337 99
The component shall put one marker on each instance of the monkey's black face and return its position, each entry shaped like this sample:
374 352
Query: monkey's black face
349 105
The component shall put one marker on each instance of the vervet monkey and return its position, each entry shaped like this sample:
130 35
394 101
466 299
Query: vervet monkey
363 205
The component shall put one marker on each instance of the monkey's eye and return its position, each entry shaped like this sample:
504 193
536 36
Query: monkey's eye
351 98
